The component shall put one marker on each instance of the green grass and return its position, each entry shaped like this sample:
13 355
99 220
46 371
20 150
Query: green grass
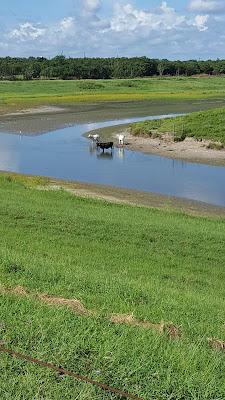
199 125
68 92
158 265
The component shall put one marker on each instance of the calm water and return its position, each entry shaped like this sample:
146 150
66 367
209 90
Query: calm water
68 155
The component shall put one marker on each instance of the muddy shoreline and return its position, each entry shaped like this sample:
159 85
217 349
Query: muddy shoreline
136 198
42 119
123 196
189 150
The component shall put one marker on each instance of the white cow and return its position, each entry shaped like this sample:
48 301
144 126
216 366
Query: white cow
121 139
95 138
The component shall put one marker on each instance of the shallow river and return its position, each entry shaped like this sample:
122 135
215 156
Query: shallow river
66 154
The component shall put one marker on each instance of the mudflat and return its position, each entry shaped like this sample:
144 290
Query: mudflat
41 119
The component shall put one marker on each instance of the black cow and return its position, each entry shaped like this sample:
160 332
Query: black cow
105 145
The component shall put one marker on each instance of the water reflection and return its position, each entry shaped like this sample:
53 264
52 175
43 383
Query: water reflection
181 163
106 155
120 153
9 160
92 148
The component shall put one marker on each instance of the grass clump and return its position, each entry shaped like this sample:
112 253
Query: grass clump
215 146
24 180
146 128
180 136
90 85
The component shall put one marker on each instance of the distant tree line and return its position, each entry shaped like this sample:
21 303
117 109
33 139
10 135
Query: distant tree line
61 67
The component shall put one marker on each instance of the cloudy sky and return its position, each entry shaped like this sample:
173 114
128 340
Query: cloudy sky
173 29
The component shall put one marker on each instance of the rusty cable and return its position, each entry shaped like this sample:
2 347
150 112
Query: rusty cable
63 371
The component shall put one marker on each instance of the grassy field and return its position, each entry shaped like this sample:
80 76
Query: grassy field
155 265
199 125
68 92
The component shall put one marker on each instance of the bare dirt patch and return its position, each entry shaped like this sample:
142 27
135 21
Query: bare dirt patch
74 304
168 328
2 289
216 344
36 110
78 308
171 330
86 193
19 290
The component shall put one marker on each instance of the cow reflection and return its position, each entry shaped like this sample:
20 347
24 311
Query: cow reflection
105 156
120 152
92 148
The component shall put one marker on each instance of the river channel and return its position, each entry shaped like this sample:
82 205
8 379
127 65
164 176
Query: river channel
67 154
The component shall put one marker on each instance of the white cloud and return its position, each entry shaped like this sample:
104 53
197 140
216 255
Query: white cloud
27 31
128 18
91 5
66 23
128 30
200 22
207 6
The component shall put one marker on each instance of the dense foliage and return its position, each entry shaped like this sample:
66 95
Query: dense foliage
103 68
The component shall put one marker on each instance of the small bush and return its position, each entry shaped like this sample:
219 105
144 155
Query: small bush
215 146
13 268
146 128
180 137
127 84
155 135
8 179
90 86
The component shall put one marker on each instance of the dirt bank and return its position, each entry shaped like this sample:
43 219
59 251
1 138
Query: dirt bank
188 150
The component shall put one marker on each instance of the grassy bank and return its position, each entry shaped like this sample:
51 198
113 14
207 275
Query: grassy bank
68 92
157 265
199 125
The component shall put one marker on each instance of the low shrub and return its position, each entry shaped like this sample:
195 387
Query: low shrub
180 137
215 146
90 86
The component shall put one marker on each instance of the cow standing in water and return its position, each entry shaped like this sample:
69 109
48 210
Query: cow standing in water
105 145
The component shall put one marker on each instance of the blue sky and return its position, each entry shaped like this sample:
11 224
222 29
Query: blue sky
174 29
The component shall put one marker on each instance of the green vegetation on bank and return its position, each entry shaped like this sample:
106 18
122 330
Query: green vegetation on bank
16 94
199 125
156 265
